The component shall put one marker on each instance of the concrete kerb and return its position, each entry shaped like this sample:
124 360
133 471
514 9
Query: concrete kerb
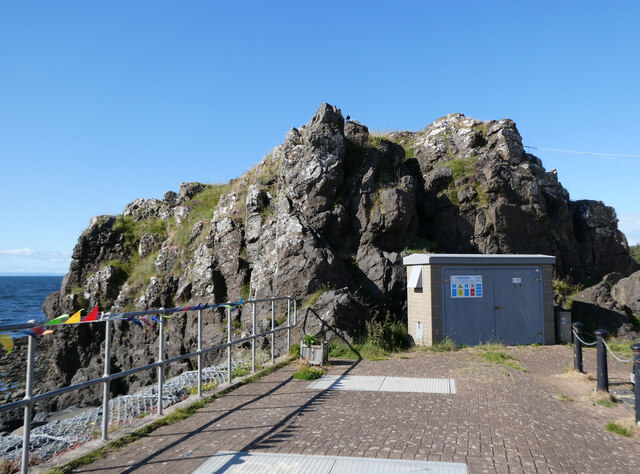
91 450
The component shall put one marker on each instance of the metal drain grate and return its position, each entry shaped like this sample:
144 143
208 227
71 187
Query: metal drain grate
383 384
268 463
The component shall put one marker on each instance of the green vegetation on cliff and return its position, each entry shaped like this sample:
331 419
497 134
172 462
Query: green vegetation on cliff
635 252
564 290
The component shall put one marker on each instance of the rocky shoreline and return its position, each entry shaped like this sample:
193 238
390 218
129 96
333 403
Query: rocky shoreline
13 373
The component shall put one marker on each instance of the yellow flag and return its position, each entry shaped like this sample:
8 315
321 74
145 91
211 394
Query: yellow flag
74 319
7 342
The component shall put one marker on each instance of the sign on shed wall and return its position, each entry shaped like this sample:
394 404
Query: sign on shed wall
466 286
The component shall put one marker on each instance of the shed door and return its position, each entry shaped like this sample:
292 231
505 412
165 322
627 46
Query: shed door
509 311
469 320
519 317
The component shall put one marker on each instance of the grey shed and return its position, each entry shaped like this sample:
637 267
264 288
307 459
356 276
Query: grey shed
474 299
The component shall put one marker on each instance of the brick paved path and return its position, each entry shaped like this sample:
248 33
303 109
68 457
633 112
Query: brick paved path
501 419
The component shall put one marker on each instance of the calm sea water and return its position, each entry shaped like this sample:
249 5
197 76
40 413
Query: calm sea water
21 297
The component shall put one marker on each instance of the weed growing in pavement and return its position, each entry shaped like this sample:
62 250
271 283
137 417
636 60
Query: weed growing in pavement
561 397
618 429
446 345
502 358
605 403
294 350
240 371
306 372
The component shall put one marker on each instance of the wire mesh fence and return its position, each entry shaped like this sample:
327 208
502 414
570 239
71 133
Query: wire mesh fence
63 434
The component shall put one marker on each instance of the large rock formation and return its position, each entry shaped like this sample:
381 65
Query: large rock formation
612 304
331 208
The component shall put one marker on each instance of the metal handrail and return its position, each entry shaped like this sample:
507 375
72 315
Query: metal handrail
29 400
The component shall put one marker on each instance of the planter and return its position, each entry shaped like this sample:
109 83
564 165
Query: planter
316 354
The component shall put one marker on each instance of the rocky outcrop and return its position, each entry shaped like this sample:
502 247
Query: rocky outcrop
627 293
496 198
613 304
332 207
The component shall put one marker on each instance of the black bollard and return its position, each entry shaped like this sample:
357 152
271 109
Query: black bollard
603 373
636 375
577 346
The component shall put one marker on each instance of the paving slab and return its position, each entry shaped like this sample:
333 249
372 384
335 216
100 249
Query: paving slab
383 384
267 463
500 419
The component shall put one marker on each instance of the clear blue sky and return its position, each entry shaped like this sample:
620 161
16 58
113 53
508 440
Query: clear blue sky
105 102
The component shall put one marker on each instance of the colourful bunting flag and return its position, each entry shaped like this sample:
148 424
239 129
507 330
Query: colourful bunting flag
187 308
48 331
134 321
92 316
74 319
7 342
58 320
35 332
155 319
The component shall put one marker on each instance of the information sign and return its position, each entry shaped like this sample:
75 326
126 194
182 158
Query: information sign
466 286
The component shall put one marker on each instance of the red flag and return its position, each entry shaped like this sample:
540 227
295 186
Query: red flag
38 331
92 316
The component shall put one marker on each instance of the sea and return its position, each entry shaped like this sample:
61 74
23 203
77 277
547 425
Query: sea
21 297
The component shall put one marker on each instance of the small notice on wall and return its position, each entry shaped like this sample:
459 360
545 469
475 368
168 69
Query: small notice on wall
466 286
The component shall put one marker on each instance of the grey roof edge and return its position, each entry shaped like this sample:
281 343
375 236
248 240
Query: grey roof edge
477 259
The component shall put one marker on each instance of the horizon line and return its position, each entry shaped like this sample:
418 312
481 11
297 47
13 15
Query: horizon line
31 274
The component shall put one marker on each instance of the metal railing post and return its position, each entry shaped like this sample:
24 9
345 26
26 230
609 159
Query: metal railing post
161 360
636 378
577 346
273 308
288 324
107 383
603 375
199 355
30 400
253 340
229 346
28 408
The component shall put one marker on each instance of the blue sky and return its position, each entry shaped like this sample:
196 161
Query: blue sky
105 102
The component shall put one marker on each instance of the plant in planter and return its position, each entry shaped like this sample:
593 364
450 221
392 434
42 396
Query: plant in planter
311 349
